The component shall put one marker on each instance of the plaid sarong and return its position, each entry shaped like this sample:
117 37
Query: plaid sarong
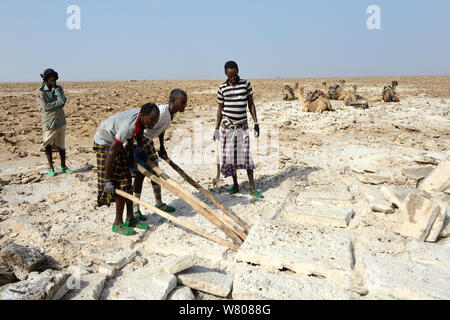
235 152
121 176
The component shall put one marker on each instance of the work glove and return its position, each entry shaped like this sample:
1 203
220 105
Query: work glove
162 153
256 130
216 135
109 187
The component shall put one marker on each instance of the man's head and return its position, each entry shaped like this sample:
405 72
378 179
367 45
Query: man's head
49 76
149 115
232 72
178 100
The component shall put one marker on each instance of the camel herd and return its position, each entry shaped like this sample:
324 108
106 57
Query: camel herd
319 100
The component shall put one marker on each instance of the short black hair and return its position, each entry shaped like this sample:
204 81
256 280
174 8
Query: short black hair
176 92
231 65
148 108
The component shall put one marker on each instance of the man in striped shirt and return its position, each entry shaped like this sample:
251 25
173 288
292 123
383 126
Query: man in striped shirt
233 97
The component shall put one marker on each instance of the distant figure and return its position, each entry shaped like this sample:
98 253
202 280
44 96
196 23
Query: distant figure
233 96
177 103
50 102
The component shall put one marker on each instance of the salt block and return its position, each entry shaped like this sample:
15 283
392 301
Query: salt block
207 280
107 270
429 253
48 285
438 225
439 179
393 277
377 202
183 243
176 264
417 217
181 293
424 160
395 195
303 248
372 179
333 216
417 173
118 258
143 285
325 195
22 260
91 286
259 285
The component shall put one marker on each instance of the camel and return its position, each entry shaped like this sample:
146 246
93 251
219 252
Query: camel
288 93
315 101
388 94
338 92
334 92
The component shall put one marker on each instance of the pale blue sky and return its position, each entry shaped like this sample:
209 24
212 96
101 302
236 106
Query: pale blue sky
181 39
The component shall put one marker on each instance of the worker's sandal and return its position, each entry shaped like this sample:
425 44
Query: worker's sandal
134 223
51 173
138 214
127 231
233 190
164 207
64 170
256 194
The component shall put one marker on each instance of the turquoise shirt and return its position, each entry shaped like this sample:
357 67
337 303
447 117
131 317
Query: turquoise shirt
50 104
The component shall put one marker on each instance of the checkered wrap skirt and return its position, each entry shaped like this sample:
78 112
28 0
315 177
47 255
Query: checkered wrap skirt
121 176
235 152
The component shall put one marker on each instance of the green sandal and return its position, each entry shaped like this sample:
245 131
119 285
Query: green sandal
138 214
134 223
164 207
126 230
233 190
64 170
256 194
51 173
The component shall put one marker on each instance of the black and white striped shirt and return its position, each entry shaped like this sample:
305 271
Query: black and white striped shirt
235 99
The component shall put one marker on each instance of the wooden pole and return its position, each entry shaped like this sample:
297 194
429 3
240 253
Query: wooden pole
176 185
207 194
214 220
177 221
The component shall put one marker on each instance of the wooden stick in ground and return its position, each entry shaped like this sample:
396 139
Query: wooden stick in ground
214 220
177 221
229 224
207 194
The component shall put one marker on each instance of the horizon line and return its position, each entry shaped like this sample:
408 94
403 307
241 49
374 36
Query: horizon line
219 79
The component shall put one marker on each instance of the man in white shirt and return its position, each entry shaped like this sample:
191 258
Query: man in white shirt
177 103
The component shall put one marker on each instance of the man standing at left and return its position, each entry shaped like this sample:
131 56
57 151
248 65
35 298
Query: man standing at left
50 102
